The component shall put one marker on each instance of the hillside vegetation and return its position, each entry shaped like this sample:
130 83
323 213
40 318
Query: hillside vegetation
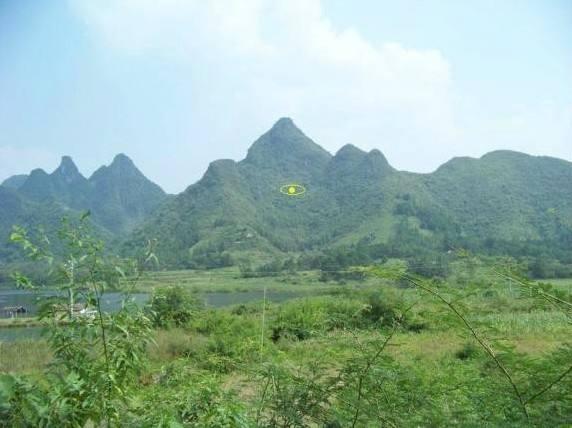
483 346
235 214
118 196
356 209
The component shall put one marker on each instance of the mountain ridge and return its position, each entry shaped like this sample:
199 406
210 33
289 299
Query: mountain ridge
355 195
118 196
497 204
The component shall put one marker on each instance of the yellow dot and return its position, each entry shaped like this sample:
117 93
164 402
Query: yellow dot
291 189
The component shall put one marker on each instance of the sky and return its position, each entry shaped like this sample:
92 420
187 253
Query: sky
176 84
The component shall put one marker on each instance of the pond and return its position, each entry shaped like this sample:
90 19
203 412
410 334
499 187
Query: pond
31 300
112 302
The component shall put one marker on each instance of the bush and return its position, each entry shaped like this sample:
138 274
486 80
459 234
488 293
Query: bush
186 401
95 358
207 405
301 319
173 307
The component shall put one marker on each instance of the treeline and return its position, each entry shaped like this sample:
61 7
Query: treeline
427 254
336 263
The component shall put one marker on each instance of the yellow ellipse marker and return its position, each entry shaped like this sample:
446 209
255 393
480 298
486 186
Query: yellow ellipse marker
293 189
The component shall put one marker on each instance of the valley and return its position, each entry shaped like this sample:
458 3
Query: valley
372 297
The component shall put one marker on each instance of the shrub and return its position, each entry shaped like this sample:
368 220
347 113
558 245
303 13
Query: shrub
94 358
173 307
207 405
301 319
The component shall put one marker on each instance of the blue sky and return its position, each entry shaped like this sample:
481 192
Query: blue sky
176 84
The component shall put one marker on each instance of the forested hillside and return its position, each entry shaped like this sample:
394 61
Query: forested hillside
498 204
354 203
118 196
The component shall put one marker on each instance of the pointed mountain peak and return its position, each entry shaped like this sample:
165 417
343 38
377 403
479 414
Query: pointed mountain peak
38 172
67 169
378 156
351 153
285 130
122 174
350 161
67 162
286 148
121 167
122 160
284 123
349 150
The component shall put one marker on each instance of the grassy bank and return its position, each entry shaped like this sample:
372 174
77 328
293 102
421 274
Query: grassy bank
229 280
25 356
19 322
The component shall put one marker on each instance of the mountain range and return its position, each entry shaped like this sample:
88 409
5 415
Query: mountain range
119 197
503 203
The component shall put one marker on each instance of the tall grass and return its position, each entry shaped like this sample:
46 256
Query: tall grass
526 322
25 356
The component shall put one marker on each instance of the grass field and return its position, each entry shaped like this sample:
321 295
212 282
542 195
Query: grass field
229 280
564 284
18 322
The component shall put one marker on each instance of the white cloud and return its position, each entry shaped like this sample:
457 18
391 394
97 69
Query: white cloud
250 62
253 61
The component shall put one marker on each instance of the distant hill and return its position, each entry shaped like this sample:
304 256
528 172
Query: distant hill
118 196
355 202
122 197
15 181
502 203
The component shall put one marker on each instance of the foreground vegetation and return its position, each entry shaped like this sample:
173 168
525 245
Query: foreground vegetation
307 363
482 346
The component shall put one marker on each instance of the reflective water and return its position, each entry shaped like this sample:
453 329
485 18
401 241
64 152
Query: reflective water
31 300
112 301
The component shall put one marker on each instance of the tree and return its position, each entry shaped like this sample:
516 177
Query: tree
94 356
173 307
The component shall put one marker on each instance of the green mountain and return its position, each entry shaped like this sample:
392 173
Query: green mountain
121 196
118 196
502 203
15 181
351 204
17 210
65 185
507 198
